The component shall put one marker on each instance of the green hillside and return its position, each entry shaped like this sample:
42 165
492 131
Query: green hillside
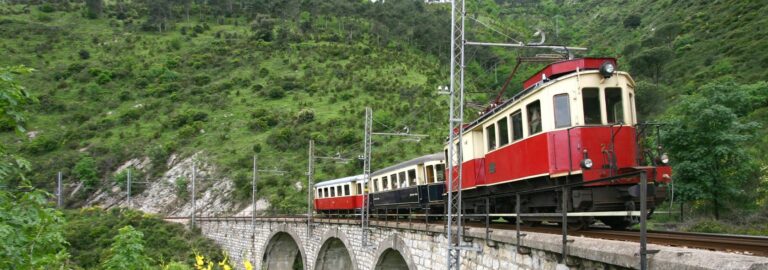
151 78
112 91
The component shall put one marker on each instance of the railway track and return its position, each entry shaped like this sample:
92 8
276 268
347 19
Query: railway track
749 245
742 244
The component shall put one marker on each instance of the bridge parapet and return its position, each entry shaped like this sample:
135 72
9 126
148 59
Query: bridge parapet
336 244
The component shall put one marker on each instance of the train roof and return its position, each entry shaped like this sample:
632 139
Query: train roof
418 160
561 68
347 179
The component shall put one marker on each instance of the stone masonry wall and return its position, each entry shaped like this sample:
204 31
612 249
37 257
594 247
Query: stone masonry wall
423 247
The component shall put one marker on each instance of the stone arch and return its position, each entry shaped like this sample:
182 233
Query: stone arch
334 252
282 250
393 254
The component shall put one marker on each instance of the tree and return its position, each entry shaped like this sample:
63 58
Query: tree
85 171
13 97
30 229
127 251
632 21
706 143
651 62
94 8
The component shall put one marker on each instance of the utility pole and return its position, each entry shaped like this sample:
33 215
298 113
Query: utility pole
454 224
58 191
310 184
194 203
366 175
368 148
253 206
129 188
253 195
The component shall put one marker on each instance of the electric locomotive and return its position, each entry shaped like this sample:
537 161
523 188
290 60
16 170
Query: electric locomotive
574 121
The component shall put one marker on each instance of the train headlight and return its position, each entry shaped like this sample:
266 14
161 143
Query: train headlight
664 159
586 163
607 69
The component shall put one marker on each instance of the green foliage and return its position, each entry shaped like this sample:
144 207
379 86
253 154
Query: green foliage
181 186
176 266
138 93
127 251
706 141
13 97
90 233
121 179
31 230
632 21
85 170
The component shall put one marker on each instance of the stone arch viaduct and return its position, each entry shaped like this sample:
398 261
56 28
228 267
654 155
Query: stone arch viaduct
285 243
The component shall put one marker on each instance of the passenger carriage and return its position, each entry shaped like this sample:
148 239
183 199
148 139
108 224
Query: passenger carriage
575 121
340 196
413 186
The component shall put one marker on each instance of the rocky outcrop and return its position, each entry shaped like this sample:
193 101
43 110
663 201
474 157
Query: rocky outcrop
170 194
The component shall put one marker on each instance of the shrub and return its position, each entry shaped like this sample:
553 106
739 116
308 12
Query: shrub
47 8
201 80
84 54
121 179
632 21
127 252
85 170
187 117
176 266
181 186
305 116
42 144
275 93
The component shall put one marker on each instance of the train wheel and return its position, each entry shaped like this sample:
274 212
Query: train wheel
617 223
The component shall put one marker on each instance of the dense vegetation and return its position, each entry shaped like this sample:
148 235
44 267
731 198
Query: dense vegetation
128 79
161 242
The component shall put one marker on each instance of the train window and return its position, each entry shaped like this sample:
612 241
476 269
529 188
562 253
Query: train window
440 168
412 177
359 188
490 134
395 184
534 117
333 192
401 180
430 173
346 190
503 125
517 125
614 105
562 111
319 193
591 104
385 183
338 191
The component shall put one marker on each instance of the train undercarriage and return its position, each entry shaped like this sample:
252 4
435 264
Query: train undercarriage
607 202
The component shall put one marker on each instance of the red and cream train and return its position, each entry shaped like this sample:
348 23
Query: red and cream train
574 122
